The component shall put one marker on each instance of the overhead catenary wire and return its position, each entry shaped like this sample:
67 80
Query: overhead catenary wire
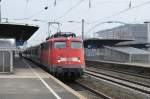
45 8
75 27
122 11
116 14
69 10
27 3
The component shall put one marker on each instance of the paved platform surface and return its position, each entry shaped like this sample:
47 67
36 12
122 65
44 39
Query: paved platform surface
30 82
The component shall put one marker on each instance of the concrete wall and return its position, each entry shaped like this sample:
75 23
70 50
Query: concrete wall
94 54
121 56
140 58
110 54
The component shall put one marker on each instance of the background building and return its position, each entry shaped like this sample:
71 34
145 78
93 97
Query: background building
137 32
129 35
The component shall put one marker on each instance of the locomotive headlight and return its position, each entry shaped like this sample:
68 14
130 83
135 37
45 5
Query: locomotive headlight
76 59
61 59
58 59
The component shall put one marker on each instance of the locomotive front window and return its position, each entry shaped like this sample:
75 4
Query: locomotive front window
60 45
76 44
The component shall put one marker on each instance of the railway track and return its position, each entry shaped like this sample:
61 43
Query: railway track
87 91
126 83
122 72
123 76
124 69
102 95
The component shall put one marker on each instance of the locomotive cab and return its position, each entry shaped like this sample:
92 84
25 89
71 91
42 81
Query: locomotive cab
68 56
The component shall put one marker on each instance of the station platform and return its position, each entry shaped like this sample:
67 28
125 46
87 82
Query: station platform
31 82
142 65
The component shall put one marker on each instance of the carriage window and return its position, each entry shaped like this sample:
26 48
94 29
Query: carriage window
60 45
76 45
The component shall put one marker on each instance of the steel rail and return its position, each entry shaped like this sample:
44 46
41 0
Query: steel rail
127 73
141 84
97 75
104 96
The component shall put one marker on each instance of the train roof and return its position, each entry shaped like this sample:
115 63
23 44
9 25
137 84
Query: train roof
64 38
62 34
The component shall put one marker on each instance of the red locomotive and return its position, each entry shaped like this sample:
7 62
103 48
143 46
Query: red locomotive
62 54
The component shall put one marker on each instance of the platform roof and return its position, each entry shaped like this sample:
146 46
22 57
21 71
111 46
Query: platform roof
129 50
103 42
136 44
21 32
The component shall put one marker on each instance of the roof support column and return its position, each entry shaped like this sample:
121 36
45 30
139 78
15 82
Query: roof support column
0 13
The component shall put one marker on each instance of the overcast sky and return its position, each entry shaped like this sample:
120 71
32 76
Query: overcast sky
75 10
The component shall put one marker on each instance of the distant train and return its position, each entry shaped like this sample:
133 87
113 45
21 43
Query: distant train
62 54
